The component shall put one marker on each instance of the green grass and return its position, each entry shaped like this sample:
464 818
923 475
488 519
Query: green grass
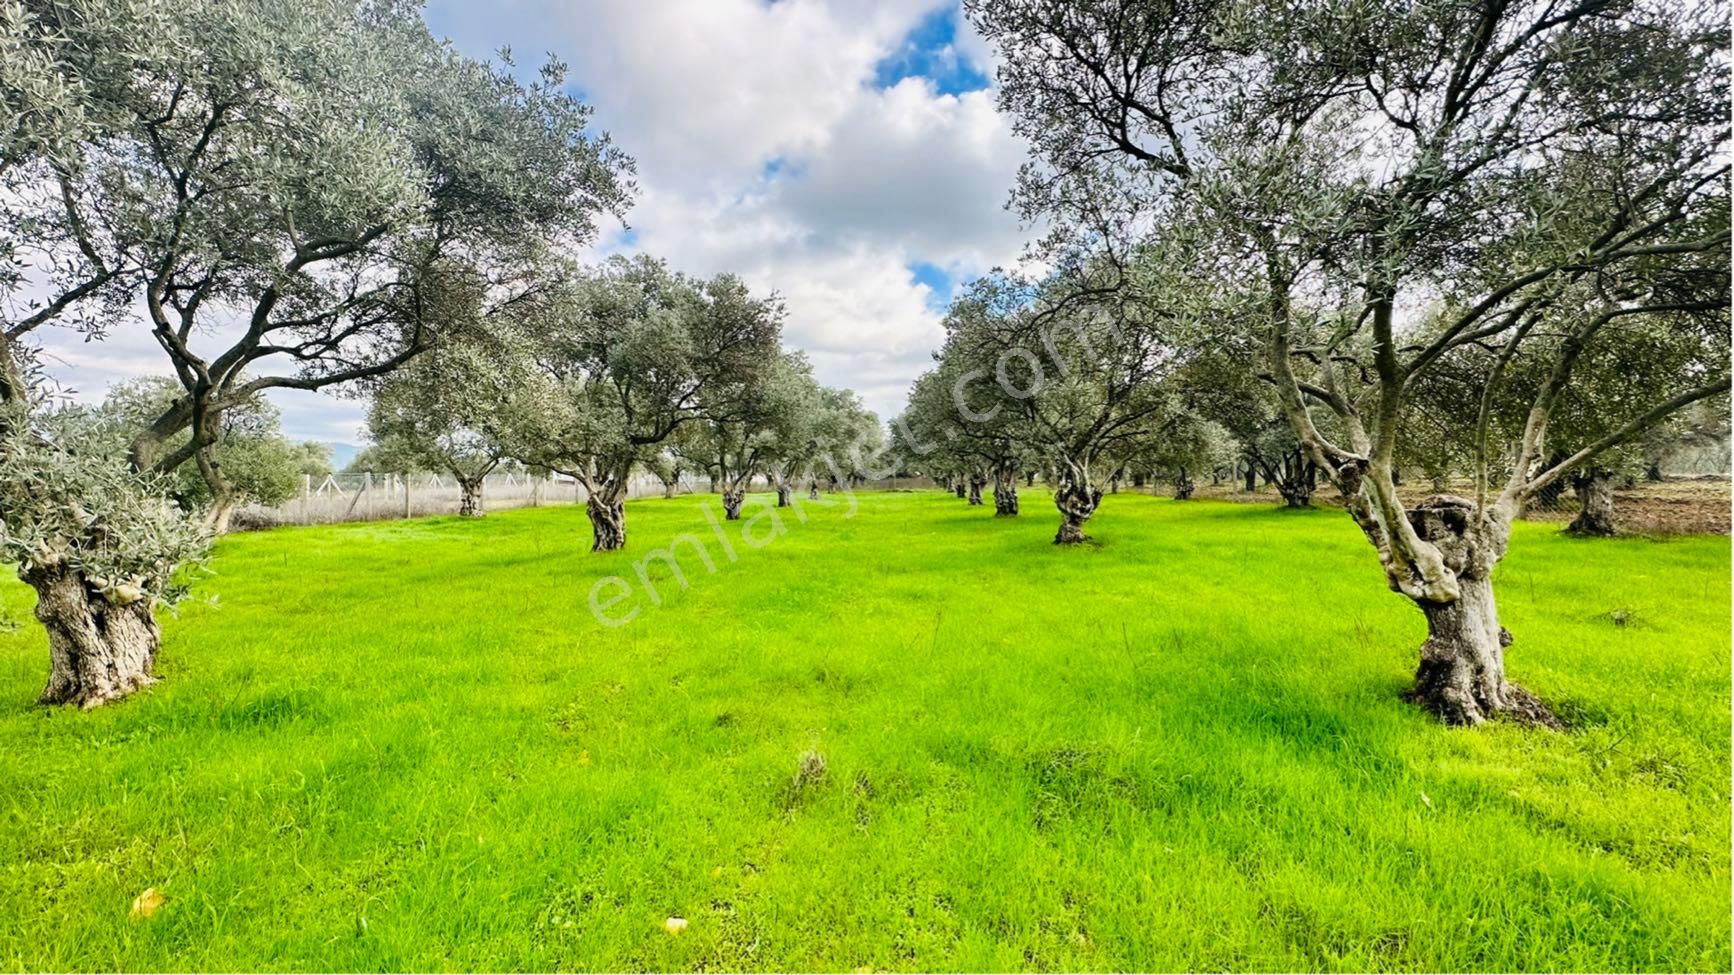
410 746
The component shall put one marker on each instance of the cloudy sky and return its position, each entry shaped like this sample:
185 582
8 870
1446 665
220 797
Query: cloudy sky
845 153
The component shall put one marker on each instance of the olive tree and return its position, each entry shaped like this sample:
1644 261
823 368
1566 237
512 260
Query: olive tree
1080 370
1538 171
992 447
758 422
284 179
848 439
628 353
925 435
443 411
101 548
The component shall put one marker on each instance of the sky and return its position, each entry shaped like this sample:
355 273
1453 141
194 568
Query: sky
844 153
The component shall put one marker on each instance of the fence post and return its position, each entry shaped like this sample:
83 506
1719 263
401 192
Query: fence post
356 500
406 495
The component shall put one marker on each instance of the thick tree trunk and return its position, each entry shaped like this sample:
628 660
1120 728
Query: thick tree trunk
224 498
607 522
783 494
1183 486
812 490
732 500
1251 478
668 488
976 483
221 512
1005 494
962 491
1077 500
470 504
1595 495
1299 479
1029 478
100 648
1461 677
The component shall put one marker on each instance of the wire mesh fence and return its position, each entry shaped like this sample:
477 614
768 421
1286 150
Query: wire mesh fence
1692 496
355 497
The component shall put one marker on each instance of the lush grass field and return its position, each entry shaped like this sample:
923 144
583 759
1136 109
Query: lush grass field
410 746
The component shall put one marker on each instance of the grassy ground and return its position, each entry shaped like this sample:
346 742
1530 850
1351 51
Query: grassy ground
410 746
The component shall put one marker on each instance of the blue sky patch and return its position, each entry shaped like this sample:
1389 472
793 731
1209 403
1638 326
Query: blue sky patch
936 279
930 51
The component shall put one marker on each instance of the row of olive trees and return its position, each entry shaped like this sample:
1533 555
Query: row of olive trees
284 196
1488 238
622 367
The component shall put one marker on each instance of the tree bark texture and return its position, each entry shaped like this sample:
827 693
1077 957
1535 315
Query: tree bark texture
1595 495
470 504
1077 500
101 648
1461 676
607 521
1184 486
1005 493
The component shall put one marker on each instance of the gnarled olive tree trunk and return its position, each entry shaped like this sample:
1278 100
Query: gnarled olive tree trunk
470 505
733 497
1183 486
221 513
1595 496
1005 491
783 493
962 491
224 497
1296 479
1077 500
607 510
1461 676
977 481
101 646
